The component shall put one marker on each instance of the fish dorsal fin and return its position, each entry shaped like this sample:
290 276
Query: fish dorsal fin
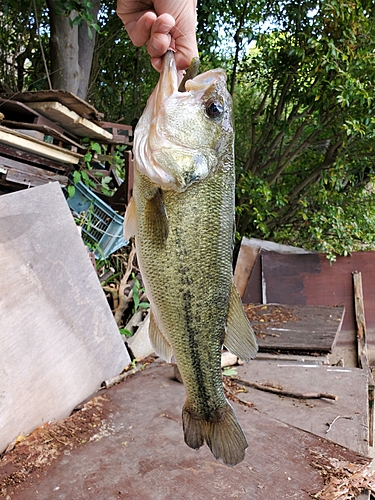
158 341
130 221
239 337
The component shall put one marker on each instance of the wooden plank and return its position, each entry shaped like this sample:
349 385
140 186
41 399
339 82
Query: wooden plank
70 100
46 130
302 329
70 120
20 112
282 461
359 317
58 337
349 384
13 138
28 175
34 159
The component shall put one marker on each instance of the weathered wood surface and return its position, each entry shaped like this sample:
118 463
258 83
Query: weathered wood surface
58 338
34 159
349 384
359 311
44 129
27 175
13 138
15 111
70 100
71 120
140 453
296 328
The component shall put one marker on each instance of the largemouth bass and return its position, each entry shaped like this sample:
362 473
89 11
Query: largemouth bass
182 214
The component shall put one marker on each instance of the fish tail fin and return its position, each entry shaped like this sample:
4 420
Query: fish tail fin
222 433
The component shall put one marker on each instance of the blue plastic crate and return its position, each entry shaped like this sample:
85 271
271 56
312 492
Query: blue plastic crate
103 227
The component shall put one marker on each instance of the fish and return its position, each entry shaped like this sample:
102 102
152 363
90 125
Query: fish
182 216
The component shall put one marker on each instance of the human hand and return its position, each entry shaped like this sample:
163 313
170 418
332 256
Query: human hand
162 24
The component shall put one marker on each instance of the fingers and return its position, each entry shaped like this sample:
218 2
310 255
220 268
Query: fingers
139 27
161 24
160 39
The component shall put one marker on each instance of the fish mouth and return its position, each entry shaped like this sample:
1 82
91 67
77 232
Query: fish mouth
168 80
176 142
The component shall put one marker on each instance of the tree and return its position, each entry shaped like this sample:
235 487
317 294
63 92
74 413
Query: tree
72 41
301 75
304 104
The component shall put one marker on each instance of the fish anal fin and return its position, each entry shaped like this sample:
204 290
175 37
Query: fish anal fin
158 341
156 216
239 337
221 432
130 220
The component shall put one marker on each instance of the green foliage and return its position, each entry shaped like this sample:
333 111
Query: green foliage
125 332
301 75
21 63
305 152
83 11
137 291
91 175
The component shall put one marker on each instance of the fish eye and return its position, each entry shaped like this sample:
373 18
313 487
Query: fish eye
214 108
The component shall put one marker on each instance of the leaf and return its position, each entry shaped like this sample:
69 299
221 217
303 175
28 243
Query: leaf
144 305
95 146
76 176
71 191
125 332
229 372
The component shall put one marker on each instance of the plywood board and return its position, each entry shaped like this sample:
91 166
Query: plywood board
70 120
11 137
58 338
313 415
138 452
303 329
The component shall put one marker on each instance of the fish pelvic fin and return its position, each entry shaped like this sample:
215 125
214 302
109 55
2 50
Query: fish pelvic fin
222 433
130 222
239 337
158 341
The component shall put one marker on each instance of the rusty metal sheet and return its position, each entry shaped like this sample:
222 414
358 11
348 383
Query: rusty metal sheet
137 451
312 280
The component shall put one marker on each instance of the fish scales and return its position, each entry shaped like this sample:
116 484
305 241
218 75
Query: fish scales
188 280
183 217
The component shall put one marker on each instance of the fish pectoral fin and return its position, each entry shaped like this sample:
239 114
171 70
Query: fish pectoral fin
239 337
158 341
156 216
222 433
130 220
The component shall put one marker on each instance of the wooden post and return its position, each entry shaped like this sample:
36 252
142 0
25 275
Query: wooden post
359 317
362 348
